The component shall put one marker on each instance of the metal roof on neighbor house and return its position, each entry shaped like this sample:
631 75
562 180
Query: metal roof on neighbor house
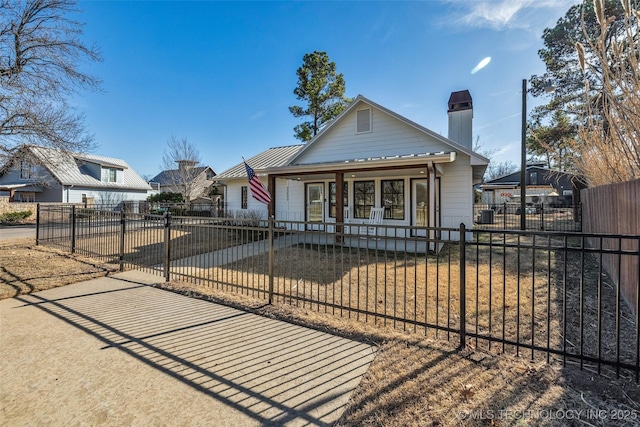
168 177
271 158
67 168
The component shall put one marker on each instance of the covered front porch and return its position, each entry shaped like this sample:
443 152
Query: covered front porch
23 192
407 188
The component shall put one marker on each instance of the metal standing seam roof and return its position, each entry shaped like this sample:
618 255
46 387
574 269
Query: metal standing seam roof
271 158
66 169
167 177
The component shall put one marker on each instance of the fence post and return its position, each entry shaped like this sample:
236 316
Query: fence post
122 233
504 215
271 258
37 224
73 229
167 245
578 211
463 286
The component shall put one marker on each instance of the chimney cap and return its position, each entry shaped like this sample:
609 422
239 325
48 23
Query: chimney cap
184 164
460 100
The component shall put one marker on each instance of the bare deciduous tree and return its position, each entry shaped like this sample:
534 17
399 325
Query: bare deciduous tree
40 56
185 156
609 143
499 169
494 169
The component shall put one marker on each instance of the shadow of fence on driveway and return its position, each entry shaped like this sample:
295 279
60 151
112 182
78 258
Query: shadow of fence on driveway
272 372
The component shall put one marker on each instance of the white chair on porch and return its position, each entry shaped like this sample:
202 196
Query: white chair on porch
346 218
370 228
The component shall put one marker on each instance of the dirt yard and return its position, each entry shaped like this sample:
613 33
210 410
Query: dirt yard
414 381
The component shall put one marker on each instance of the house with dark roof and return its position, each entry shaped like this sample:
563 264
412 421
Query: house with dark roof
192 181
543 185
40 174
369 156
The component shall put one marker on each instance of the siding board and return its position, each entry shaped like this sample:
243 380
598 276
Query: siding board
389 137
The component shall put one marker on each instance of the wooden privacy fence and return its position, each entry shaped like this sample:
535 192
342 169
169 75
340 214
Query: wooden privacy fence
615 209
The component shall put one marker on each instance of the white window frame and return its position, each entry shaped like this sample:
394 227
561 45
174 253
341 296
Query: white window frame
27 170
244 197
108 173
369 130
26 196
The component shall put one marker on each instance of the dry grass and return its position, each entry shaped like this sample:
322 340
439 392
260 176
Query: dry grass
27 268
556 219
145 245
511 295
414 380
418 381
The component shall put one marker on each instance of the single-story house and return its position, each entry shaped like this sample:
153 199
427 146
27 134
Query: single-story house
543 185
40 174
187 178
369 156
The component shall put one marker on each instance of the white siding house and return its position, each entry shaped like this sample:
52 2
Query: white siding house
383 159
39 174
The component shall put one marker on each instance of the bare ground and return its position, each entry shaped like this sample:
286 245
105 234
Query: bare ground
27 268
414 381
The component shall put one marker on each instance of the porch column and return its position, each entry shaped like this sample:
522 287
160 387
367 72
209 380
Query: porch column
431 188
271 186
339 204
339 196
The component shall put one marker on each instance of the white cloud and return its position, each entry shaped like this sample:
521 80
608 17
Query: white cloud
501 119
410 105
509 14
505 149
257 115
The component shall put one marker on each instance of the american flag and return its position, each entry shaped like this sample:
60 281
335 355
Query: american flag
258 191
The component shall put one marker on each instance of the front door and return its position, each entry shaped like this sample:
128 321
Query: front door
420 206
315 204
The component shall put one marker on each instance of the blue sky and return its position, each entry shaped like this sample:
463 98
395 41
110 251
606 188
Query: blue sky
222 74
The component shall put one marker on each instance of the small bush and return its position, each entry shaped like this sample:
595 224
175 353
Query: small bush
166 197
14 217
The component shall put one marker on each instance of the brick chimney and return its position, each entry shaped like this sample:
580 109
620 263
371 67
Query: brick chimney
460 118
184 165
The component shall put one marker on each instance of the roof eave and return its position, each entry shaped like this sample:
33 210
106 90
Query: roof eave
410 160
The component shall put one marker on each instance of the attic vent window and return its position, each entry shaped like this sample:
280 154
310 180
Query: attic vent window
363 121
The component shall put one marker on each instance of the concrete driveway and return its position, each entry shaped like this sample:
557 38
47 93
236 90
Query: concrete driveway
17 232
114 351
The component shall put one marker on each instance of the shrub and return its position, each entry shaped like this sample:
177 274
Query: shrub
14 217
166 197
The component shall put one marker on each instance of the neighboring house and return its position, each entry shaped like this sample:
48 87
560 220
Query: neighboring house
188 178
373 157
543 185
39 174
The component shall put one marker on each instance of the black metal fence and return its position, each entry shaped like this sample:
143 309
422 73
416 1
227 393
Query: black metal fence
539 217
540 294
